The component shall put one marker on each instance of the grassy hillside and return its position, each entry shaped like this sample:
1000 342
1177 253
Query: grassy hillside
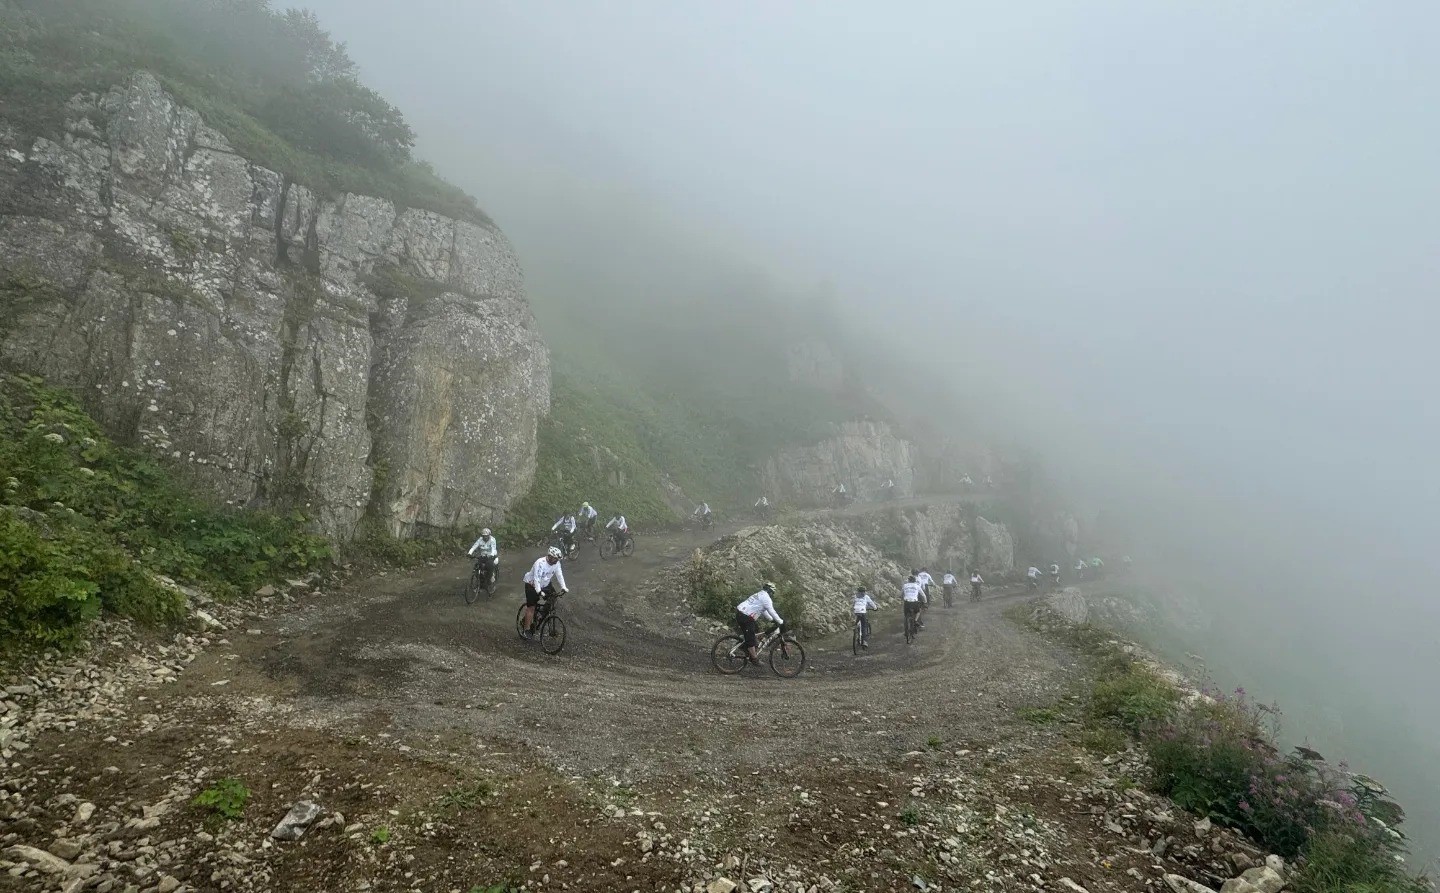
86 527
275 84
701 401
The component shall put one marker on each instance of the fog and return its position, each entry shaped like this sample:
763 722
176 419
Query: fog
1189 252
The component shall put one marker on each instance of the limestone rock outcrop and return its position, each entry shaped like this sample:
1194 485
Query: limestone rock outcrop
336 354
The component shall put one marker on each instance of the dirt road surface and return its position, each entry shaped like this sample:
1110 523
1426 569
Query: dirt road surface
448 754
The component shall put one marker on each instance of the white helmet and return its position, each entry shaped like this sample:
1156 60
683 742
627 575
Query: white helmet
485 532
554 552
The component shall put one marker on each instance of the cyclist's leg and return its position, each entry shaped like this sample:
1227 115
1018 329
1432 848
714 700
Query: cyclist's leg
532 599
748 629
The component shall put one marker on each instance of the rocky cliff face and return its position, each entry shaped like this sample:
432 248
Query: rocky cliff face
862 455
338 354
940 537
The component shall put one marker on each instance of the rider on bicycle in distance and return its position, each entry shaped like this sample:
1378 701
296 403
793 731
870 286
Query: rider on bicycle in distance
747 618
619 531
702 513
566 528
924 579
975 582
588 516
542 579
911 592
948 581
486 550
864 602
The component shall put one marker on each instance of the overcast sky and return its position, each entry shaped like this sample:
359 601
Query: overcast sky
1197 244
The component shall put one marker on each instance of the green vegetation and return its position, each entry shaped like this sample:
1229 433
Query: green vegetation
1217 756
380 836
87 526
1040 716
284 94
225 798
463 797
1130 695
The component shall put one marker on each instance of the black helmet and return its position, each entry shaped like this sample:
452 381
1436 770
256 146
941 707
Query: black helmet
768 587
913 572
859 590
912 579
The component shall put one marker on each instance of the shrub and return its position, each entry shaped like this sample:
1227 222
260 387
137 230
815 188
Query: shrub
87 526
1353 860
225 798
1130 694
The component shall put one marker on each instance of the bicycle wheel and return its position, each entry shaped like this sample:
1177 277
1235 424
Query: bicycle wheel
552 634
787 658
472 588
607 549
728 654
629 547
492 583
855 640
909 628
520 621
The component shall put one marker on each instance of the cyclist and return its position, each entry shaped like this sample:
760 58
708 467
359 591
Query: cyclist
762 503
1097 566
967 481
619 531
702 513
587 519
486 552
748 614
887 489
1079 568
989 481
1033 575
542 579
948 581
975 582
911 594
1055 573
863 601
924 579
566 528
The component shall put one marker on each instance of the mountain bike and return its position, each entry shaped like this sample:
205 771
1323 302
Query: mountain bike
558 542
950 596
786 656
484 577
912 622
548 626
857 638
608 550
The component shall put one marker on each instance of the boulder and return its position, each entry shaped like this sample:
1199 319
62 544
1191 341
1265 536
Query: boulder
293 825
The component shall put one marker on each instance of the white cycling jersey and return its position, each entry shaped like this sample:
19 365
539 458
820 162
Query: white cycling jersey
486 547
759 605
924 578
618 522
1054 568
566 523
976 578
948 579
542 572
588 511
1033 572
864 601
911 591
